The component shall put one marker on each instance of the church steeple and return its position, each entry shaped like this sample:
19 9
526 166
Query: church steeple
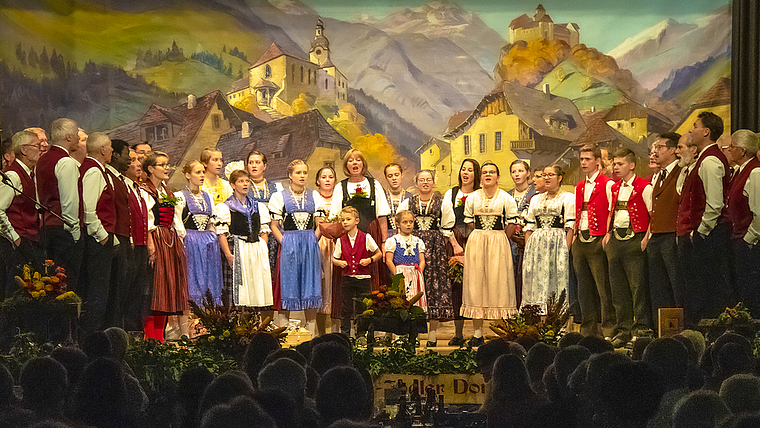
320 46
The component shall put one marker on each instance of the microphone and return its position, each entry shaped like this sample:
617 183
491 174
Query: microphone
6 179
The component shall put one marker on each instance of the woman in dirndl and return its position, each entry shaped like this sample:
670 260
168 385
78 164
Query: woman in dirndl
325 183
165 250
300 273
489 284
469 181
523 191
196 211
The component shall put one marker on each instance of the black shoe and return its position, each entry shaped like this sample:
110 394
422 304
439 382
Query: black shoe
621 339
431 344
457 341
477 341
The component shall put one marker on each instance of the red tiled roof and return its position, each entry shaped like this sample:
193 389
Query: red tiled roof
521 21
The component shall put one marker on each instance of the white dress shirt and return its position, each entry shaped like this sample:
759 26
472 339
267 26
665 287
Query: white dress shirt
93 184
752 191
622 218
67 174
590 183
711 173
6 199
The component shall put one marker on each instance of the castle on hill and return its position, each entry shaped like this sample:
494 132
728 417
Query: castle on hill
541 26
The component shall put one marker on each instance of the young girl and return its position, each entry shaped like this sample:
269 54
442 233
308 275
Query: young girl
325 182
243 227
489 282
214 184
300 268
195 210
523 192
405 253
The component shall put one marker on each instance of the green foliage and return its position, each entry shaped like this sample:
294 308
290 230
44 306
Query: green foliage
25 347
739 314
401 358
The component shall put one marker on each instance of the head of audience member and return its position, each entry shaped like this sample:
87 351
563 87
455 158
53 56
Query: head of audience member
393 173
240 412
665 149
6 153
698 339
690 349
725 339
304 348
96 345
686 150
553 177
101 399
565 362
143 149
74 360
596 344
540 356
639 345
510 379
519 170
44 385
526 342
7 396
256 352
707 129
354 164
40 133
81 152
279 406
211 158
549 379
119 340
99 147
746 420
327 355
284 375
469 174
569 339
288 353
342 394
134 170
26 148
65 133
598 371
741 393
120 158
742 146
576 382
631 391
224 389
339 338
192 383
256 164
671 358
734 358
700 409
591 159
487 355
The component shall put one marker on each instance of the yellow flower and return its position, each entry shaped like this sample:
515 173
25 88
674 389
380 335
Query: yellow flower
397 302
49 263
226 333
35 294
45 279
368 312
49 287
27 273
39 285
42 293
36 276
211 338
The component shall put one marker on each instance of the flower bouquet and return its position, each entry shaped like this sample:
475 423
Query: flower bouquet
388 309
529 322
331 228
166 205
456 269
360 193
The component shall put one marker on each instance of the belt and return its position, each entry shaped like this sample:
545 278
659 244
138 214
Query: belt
621 205
585 236
623 234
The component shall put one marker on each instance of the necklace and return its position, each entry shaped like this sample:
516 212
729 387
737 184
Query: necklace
427 205
261 192
298 199
488 200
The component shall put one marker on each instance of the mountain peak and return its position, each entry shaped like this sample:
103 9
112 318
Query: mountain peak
293 7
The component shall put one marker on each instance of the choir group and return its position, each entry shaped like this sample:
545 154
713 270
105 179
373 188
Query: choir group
622 247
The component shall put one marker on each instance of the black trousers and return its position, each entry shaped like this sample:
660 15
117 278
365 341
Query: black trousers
629 284
747 274
119 285
12 260
139 291
665 287
594 295
95 282
60 247
352 287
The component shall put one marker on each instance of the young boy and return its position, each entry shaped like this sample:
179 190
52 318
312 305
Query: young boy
354 252
405 254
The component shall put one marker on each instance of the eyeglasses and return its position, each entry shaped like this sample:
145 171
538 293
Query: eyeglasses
660 146
425 180
549 175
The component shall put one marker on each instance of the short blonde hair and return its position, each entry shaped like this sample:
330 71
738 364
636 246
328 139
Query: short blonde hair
400 215
360 155
350 210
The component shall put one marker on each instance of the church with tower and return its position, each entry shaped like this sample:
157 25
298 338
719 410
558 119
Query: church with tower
279 77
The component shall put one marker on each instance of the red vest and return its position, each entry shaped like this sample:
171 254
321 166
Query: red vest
138 218
637 209
106 207
47 184
352 255
598 206
121 200
22 213
737 203
692 203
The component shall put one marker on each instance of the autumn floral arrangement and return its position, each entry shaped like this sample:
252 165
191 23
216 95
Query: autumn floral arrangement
388 309
48 286
331 227
456 269
529 321
461 200
739 314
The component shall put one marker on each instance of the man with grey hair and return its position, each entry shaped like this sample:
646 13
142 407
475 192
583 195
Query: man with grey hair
44 146
686 152
743 212
100 221
19 222
58 189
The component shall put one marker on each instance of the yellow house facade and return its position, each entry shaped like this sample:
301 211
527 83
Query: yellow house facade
435 155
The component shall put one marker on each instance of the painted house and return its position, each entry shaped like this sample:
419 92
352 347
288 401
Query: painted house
636 121
515 122
279 77
435 155
183 131
306 136
541 26
717 100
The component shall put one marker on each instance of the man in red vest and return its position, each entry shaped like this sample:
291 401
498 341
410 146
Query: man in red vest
139 274
702 233
625 245
19 222
58 189
592 209
100 221
743 212
665 289
123 250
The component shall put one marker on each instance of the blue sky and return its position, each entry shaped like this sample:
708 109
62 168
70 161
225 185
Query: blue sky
604 23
